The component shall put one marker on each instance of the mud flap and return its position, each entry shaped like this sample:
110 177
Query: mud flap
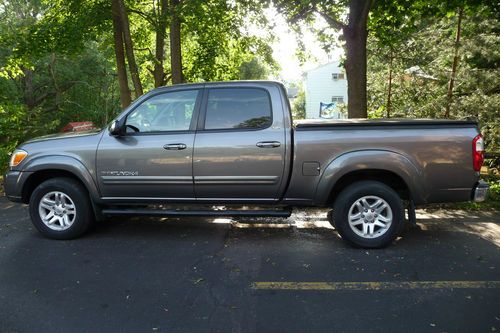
412 216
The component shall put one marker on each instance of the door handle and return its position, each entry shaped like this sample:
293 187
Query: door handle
268 144
175 146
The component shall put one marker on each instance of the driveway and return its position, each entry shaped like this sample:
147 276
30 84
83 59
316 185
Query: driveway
206 275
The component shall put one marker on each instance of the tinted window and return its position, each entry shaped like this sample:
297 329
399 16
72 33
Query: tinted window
238 108
165 112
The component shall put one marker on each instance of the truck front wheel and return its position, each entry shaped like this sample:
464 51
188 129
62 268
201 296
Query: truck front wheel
60 208
368 214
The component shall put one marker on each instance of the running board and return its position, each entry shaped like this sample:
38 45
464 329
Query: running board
200 213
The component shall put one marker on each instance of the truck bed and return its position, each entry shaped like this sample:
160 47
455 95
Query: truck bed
434 157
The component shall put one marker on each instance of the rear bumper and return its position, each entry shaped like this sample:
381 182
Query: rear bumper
480 192
13 182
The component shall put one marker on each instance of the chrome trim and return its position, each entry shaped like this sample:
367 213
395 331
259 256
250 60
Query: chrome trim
268 144
236 180
146 199
146 180
187 199
175 146
236 199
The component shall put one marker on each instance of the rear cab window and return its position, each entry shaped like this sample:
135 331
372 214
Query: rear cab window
238 108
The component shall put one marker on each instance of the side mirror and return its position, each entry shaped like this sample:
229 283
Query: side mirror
115 128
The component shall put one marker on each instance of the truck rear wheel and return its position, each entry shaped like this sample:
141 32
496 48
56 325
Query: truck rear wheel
368 214
60 208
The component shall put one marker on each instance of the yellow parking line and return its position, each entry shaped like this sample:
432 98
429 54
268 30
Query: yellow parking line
340 286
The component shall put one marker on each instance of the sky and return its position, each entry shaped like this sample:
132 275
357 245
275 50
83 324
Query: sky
286 44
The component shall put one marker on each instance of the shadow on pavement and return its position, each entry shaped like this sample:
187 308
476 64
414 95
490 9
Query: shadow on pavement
194 275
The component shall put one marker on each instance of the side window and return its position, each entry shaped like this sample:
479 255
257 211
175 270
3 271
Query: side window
238 108
171 111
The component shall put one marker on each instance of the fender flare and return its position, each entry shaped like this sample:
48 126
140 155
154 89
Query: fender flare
66 163
371 159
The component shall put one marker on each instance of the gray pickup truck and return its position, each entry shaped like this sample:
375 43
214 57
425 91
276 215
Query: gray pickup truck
234 143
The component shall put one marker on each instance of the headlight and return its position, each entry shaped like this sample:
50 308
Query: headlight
17 157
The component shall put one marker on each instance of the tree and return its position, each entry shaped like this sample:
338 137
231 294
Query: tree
41 89
253 69
422 69
215 45
159 71
391 23
129 48
354 32
175 42
456 45
206 40
120 57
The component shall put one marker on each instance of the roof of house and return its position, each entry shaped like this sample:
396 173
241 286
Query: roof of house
335 63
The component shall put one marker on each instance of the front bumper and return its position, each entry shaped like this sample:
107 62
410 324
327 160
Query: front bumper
480 192
13 182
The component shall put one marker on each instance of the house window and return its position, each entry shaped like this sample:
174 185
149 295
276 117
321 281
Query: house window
337 76
338 99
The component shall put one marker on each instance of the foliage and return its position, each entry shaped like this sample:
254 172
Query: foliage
421 68
299 105
494 190
215 47
253 70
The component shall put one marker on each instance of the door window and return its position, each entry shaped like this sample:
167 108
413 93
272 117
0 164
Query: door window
234 108
172 111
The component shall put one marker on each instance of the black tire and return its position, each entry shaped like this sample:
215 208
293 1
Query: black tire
83 217
357 191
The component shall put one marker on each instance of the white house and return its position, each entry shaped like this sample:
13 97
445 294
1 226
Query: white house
325 87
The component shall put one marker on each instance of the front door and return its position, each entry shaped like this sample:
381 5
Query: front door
153 159
240 147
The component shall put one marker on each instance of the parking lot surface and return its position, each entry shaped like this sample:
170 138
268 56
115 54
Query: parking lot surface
206 275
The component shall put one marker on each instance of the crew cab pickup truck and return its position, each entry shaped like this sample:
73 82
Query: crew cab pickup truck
234 143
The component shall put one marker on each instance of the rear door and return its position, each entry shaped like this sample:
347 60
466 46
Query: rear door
239 146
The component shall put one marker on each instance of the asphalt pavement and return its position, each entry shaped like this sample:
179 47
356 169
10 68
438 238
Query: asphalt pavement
222 275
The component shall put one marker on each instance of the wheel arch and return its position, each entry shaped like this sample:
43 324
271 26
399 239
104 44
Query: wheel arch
47 167
390 168
388 178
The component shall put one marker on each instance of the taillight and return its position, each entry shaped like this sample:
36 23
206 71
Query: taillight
478 152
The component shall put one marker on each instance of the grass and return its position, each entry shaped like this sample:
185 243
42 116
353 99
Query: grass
488 205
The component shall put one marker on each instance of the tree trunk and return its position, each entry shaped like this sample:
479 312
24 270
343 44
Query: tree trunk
389 88
159 72
356 34
129 49
121 70
57 91
175 43
449 95
355 67
27 84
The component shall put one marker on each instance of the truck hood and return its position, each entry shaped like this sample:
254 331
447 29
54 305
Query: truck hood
66 135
